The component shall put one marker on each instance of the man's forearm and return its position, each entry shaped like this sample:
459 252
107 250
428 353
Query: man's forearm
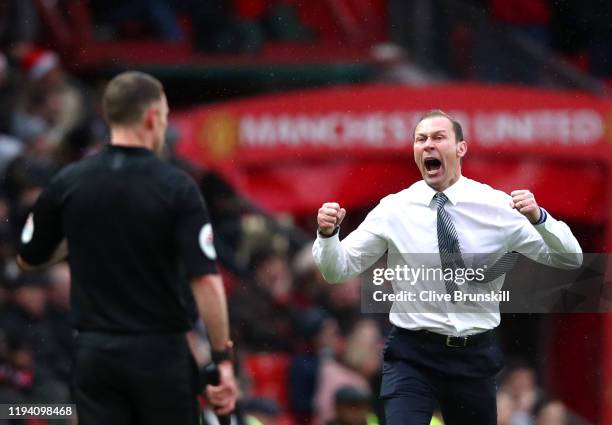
210 298
328 257
564 249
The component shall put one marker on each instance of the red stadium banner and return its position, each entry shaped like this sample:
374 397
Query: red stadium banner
354 143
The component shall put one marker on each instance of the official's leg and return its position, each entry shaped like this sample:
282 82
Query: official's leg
98 392
469 401
164 382
407 393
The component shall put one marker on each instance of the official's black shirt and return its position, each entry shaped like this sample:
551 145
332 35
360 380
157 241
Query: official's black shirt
137 231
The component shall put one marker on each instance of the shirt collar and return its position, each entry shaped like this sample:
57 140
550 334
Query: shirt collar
455 193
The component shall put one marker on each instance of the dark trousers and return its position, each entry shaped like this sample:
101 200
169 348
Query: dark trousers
420 374
142 379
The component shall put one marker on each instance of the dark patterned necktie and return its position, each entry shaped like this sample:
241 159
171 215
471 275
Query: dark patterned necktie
448 242
501 267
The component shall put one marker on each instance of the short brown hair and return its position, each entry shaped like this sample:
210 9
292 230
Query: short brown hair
440 113
128 95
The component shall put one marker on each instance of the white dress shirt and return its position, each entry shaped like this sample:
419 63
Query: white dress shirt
405 223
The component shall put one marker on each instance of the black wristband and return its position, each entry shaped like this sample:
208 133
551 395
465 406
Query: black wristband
222 355
324 236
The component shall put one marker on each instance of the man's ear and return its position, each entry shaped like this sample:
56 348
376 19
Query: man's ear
461 148
149 118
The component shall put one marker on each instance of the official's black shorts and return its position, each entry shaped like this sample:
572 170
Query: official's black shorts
144 379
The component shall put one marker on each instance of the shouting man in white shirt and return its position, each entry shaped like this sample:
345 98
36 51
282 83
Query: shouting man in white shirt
443 353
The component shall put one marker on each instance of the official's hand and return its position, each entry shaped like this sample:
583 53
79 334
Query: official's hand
524 202
223 396
330 215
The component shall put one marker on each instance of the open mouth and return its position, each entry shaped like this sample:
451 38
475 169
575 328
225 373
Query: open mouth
432 165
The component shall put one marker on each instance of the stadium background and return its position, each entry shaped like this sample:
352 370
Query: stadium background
280 105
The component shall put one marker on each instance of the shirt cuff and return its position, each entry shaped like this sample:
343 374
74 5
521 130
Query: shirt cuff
547 226
543 217
332 239
323 236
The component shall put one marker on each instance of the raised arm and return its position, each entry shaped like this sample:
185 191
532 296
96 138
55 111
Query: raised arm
545 240
339 261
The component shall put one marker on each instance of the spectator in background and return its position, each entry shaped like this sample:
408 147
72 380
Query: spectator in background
363 347
261 308
352 406
322 341
505 407
28 305
552 413
343 302
356 365
310 289
260 411
555 412
225 208
519 382
21 185
52 106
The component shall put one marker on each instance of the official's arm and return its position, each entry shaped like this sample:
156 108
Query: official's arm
197 253
209 295
42 238
59 254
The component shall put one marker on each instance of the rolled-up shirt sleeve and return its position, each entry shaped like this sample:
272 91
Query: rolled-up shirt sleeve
340 260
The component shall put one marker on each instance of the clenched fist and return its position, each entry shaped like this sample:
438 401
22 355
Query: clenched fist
524 202
330 216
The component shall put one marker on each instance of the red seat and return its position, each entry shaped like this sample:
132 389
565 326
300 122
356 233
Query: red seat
269 376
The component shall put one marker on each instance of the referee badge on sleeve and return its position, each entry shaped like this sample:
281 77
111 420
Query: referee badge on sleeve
28 230
206 242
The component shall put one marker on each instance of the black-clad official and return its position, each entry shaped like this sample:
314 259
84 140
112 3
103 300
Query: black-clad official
138 235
